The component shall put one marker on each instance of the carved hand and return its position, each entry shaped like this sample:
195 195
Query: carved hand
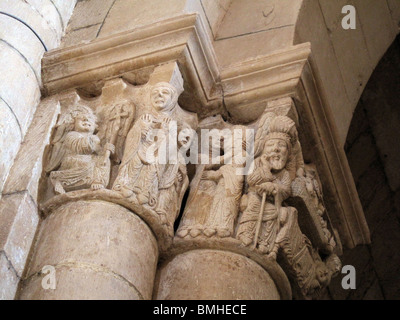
268 187
180 176
211 175
109 147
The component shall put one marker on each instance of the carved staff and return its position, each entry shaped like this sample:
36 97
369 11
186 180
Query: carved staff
259 222
114 127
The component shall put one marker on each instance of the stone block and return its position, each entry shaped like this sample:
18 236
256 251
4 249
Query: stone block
371 180
365 279
246 17
22 10
394 7
252 45
65 8
391 288
19 219
27 168
50 14
384 249
215 12
376 23
130 14
359 257
374 292
10 139
83 35
359 125
20 37
355 72
19 86
361 155
311 27
88 13
379 208
8 279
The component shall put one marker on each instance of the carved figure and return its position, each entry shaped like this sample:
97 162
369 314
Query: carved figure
268 186
173 179
77 155
141 173
218 187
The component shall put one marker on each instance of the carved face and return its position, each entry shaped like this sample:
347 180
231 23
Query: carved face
322 274
84 124
161 97
276 151
185 137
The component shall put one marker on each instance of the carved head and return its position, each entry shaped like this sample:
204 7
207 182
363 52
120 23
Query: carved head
276 152
163 96
84 119
185 136
279 142
322 274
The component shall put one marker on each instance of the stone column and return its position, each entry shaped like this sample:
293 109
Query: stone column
107 209
219 275
99 250
29 28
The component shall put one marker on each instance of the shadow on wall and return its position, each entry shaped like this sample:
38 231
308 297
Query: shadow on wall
373 152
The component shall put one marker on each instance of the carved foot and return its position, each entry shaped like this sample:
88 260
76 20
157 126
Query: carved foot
58 188
182 233
126 193
209 232
246 241
223 233
195 232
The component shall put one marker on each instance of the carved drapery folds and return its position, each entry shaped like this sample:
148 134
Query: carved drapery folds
256 210
251 192
116 148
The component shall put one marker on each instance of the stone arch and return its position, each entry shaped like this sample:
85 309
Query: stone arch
373 153
345 59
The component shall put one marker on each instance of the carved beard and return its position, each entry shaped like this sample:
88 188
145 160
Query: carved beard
277 162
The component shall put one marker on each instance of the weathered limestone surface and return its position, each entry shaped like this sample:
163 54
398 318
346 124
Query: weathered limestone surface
8 278
20 218
90 244
215 275
108 213
343 76
10 139
21 51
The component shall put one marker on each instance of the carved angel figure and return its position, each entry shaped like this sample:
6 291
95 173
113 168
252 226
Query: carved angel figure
77 154
268 186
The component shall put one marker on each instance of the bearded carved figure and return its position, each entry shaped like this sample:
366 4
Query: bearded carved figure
268 186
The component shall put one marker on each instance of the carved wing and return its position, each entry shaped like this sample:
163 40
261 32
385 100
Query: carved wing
64 125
